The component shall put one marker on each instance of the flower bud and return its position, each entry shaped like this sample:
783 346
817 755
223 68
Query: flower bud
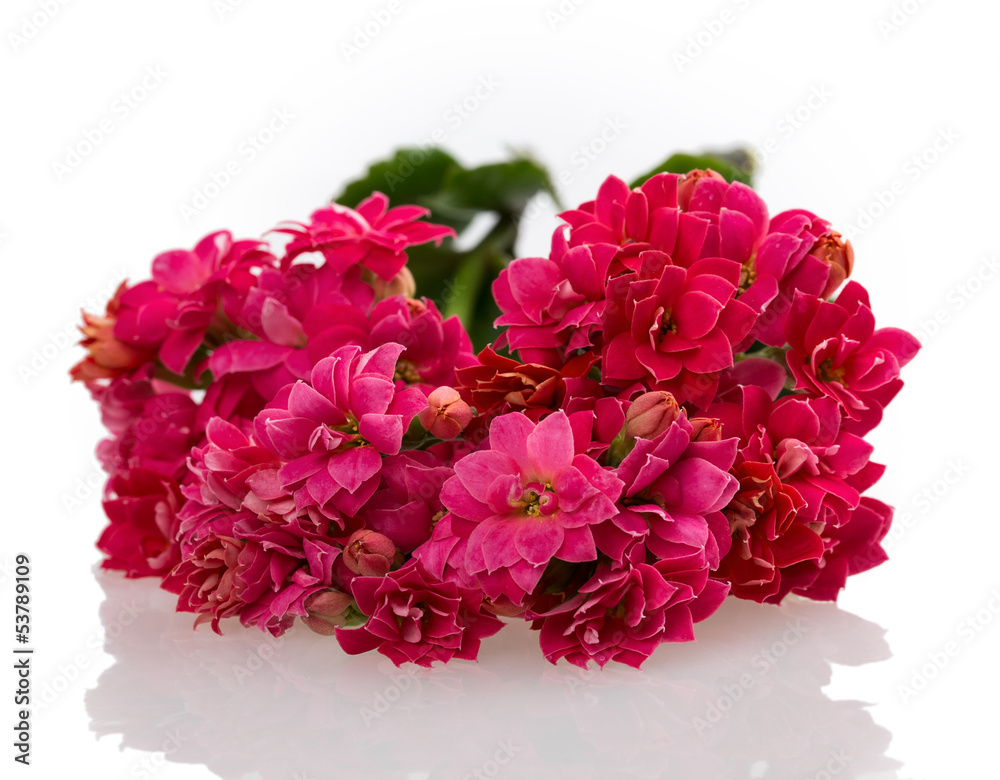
326 610
402 283
838 254
369 554
651 414
446 414
705 429
685 187
108 356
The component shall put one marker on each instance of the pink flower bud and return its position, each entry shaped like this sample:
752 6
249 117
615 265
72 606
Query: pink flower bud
446 414
705 429
837 253
651 414
369 554
326 610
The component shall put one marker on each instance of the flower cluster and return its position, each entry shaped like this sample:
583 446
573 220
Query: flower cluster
673 411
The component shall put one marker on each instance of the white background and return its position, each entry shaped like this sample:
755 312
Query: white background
916 638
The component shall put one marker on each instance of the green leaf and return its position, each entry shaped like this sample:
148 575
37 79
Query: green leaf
410 175
734 165
504 188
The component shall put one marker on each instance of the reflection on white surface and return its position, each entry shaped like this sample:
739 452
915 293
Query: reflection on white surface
744 701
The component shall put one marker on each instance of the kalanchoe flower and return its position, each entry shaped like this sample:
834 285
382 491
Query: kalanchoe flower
552 306
373 235
435 347
173 312
331 434
527 499
141 539
836 352
262 572
676 485
369 554
108 357
673 328
850 548
622 613
800 473
408 499
446 414
417 618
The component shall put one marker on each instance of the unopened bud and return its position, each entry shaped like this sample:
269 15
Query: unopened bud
369 554
446 414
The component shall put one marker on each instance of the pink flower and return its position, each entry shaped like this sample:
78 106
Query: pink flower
173 312
525 500
623 614
408 500
331 433
836 352
262 572
415 618
676 485
672 328
142 507
552 306
688 217
851 548
108 357
372 235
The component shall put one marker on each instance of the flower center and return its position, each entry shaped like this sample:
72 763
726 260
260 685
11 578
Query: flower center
748 275
538 500
827 373
407 372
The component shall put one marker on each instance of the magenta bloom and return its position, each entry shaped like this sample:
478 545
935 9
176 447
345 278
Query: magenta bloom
674 328
141 539
836 352
623 614
262 572
676 485
414 617
552 306
688 217
331 434
172 313
373 235
527 499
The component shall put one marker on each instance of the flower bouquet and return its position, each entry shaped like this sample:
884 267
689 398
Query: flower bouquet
672 411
